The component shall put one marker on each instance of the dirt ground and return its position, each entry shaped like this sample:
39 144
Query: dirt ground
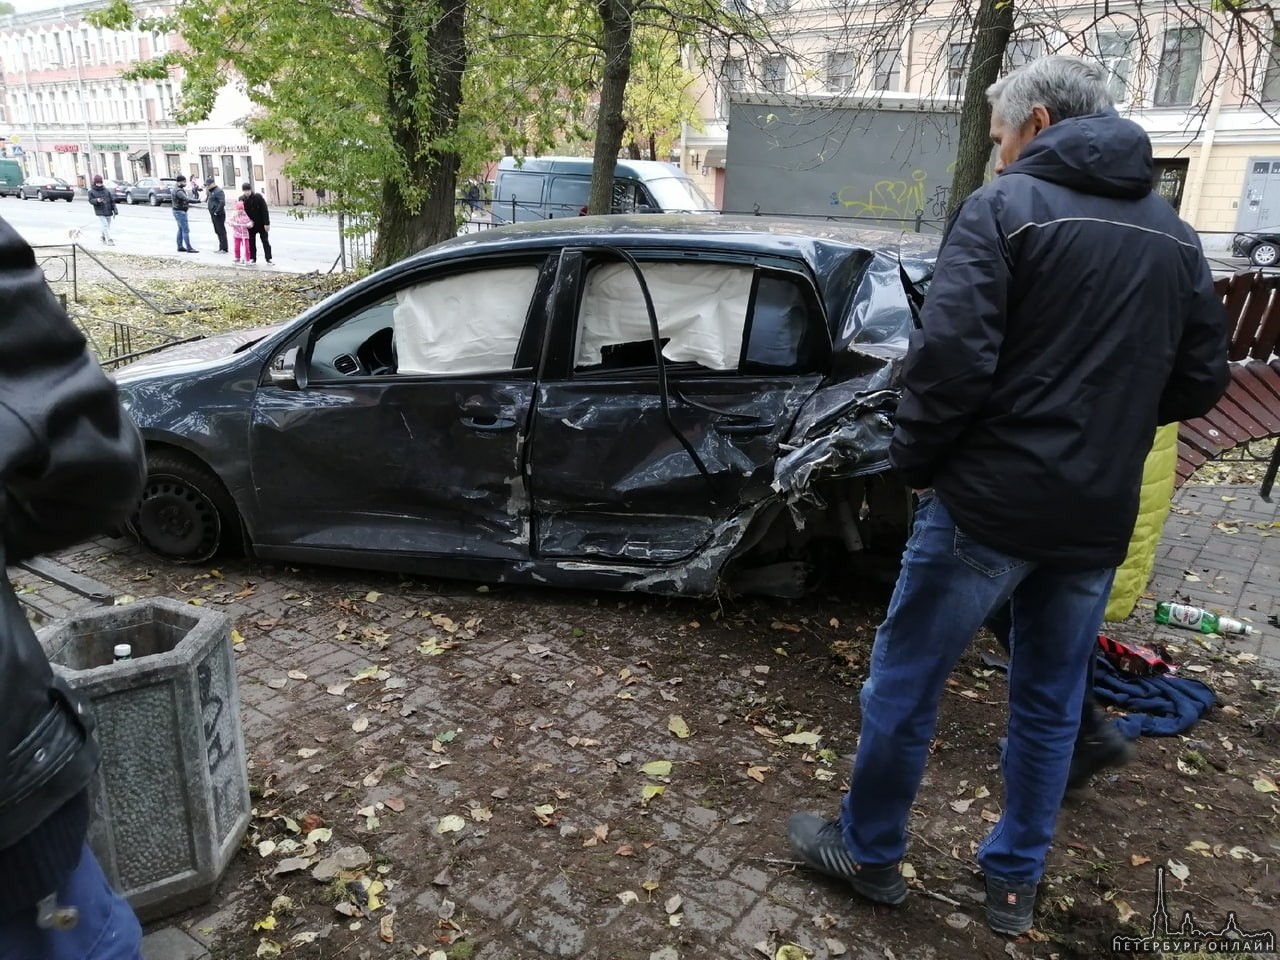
487 752
514 773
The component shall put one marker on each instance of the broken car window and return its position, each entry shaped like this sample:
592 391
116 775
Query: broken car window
701 310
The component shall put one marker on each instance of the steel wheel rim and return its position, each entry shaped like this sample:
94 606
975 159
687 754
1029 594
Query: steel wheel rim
176 520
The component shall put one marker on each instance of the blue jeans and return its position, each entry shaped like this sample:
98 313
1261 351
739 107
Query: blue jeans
949 585
107 928
184 232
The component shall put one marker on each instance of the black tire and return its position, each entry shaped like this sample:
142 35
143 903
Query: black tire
68 199
185 513
1264 255
153 200
40 195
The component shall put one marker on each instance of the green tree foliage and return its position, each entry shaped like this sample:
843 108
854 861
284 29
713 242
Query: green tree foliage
365 99
658 97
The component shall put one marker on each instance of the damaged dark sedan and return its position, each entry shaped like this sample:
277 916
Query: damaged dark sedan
666 404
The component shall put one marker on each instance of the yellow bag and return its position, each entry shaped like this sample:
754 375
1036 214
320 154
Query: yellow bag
1157 493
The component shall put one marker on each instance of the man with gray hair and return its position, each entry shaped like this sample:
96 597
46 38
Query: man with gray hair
1070 312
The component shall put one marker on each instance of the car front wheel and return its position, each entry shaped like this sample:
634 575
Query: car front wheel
39 194
185 514
1264 255
153 200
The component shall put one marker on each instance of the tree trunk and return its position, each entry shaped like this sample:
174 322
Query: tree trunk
404 229
615 15
633 148
653 146
992 28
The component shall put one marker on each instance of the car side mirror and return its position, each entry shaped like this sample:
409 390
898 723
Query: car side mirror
284 370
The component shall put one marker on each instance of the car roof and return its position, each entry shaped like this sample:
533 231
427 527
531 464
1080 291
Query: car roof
641 169
782 236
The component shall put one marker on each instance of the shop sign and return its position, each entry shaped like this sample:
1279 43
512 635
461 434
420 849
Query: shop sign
174 147
66 148
111 146
234 148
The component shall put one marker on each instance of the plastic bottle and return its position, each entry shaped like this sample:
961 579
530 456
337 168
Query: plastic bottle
122 651
1195 618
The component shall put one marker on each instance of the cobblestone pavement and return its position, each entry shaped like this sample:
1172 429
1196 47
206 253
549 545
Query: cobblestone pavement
542 705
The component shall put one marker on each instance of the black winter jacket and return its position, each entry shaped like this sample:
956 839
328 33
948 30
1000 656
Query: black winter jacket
1071 312
104 204
255 205
71 465
216 201
180 199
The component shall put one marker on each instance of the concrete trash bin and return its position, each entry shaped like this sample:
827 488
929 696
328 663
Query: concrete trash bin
171 798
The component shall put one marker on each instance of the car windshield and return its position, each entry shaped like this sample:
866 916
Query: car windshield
678 193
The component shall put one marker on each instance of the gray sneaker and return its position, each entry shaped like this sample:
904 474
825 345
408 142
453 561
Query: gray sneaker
1011 907
820 844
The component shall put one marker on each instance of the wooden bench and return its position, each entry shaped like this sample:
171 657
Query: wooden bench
1250 409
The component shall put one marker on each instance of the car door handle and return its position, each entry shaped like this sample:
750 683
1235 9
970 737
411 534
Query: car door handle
742 428
488 424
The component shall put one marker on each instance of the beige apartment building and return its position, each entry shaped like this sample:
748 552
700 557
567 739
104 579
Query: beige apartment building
1205 87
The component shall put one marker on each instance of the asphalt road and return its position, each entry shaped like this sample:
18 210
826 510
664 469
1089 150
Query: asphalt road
298 245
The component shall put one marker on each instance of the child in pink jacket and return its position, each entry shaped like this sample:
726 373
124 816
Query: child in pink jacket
240 226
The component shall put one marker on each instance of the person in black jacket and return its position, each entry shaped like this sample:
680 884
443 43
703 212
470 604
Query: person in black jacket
181 201
104 207
71 465
255 205
1070 313
216 202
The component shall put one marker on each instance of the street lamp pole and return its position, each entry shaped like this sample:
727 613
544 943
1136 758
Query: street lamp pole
84 113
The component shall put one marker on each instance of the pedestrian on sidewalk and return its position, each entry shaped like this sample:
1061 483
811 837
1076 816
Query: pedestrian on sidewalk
60 425
216 202
1070 312
104 207
240 227
181 201
255 205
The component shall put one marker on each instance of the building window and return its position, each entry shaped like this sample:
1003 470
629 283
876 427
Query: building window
957 67
173 164
841 68
1179 67
206 165
1021 52
886 73
1115 50
774 75
731 82
1271 79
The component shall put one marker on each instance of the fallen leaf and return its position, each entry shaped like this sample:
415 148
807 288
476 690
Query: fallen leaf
626 850
361 725
657 768
372 596
266 848
1190 577
544 812
789 951
1264 785
757 773
304 938
599 833
1179 869
338 689
1138 860
990 816
384 928
278 683
306 753
1244 853
291 865
807 739
266 923
629 897
1200 847
957 921
651 790
961 806
1125 912
676 724
908 872
673 904
236 638
481 814
268 948
395 804
450 824
320 835
981 793
298 675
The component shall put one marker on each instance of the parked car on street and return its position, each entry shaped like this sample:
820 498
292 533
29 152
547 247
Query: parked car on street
512 405
11 177
119 189
46 188
152 190
1262 247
